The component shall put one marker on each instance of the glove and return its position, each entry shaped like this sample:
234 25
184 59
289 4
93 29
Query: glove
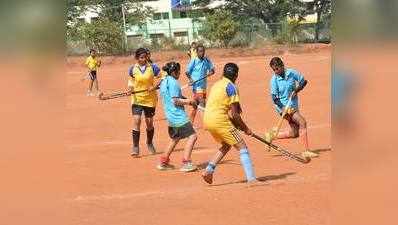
290 111
193 103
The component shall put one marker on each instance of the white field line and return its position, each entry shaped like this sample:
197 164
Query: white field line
294 179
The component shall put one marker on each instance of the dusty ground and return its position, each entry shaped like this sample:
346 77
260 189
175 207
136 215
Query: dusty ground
111 188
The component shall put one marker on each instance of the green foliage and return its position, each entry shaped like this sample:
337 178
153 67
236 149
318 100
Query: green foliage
240 40
323 10
107 32
112 10
103 35
73 11
290 33
167 43
220 27
268 11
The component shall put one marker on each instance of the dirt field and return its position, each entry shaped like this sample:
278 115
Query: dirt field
111 188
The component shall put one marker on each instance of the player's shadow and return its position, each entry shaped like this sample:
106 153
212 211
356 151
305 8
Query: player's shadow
317 151
175 150
203 165
264 179
321 150
194 148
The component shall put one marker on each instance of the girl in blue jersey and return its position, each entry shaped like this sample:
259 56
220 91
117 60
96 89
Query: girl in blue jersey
180 126
285 82
198 70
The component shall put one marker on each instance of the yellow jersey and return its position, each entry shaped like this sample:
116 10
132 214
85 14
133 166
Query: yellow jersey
193 53
92 63
222 94
143 79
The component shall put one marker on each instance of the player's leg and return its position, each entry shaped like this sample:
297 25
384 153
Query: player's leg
201 101
137 112
96 86
164 163
194 111
297 118
211 166
245 160
187 131
189 147
93 76
231 137
90 87
291 132
150 129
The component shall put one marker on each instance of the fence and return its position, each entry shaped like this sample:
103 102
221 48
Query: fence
250 35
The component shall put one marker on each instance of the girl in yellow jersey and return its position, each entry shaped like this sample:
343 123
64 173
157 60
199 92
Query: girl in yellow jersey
192 51
221 115
143 76
93 63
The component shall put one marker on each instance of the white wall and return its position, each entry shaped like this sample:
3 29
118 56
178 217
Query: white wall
159 5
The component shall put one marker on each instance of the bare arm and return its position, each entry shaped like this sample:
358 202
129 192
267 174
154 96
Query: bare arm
156 85
237 119
182 102
301 86
130 84
211 72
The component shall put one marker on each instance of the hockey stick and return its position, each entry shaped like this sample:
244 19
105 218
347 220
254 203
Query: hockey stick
101 96
282 151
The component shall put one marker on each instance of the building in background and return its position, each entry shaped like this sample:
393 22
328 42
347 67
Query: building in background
172 18
176 19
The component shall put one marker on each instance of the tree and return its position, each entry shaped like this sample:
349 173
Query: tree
108 25
267 11
323 10
103 34
135 12
74 9
220 26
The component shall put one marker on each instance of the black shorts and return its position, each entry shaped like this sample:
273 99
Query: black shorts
184 131
149 112
92 75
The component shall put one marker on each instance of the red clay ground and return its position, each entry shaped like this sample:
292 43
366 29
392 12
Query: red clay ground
111 188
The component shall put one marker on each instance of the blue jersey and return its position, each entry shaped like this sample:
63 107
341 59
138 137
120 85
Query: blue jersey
197 69
155 68
282 87
169 89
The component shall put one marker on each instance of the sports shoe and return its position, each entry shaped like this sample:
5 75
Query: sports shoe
165 166
309 154
188 167
255 183
151 149
135 151
207 177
